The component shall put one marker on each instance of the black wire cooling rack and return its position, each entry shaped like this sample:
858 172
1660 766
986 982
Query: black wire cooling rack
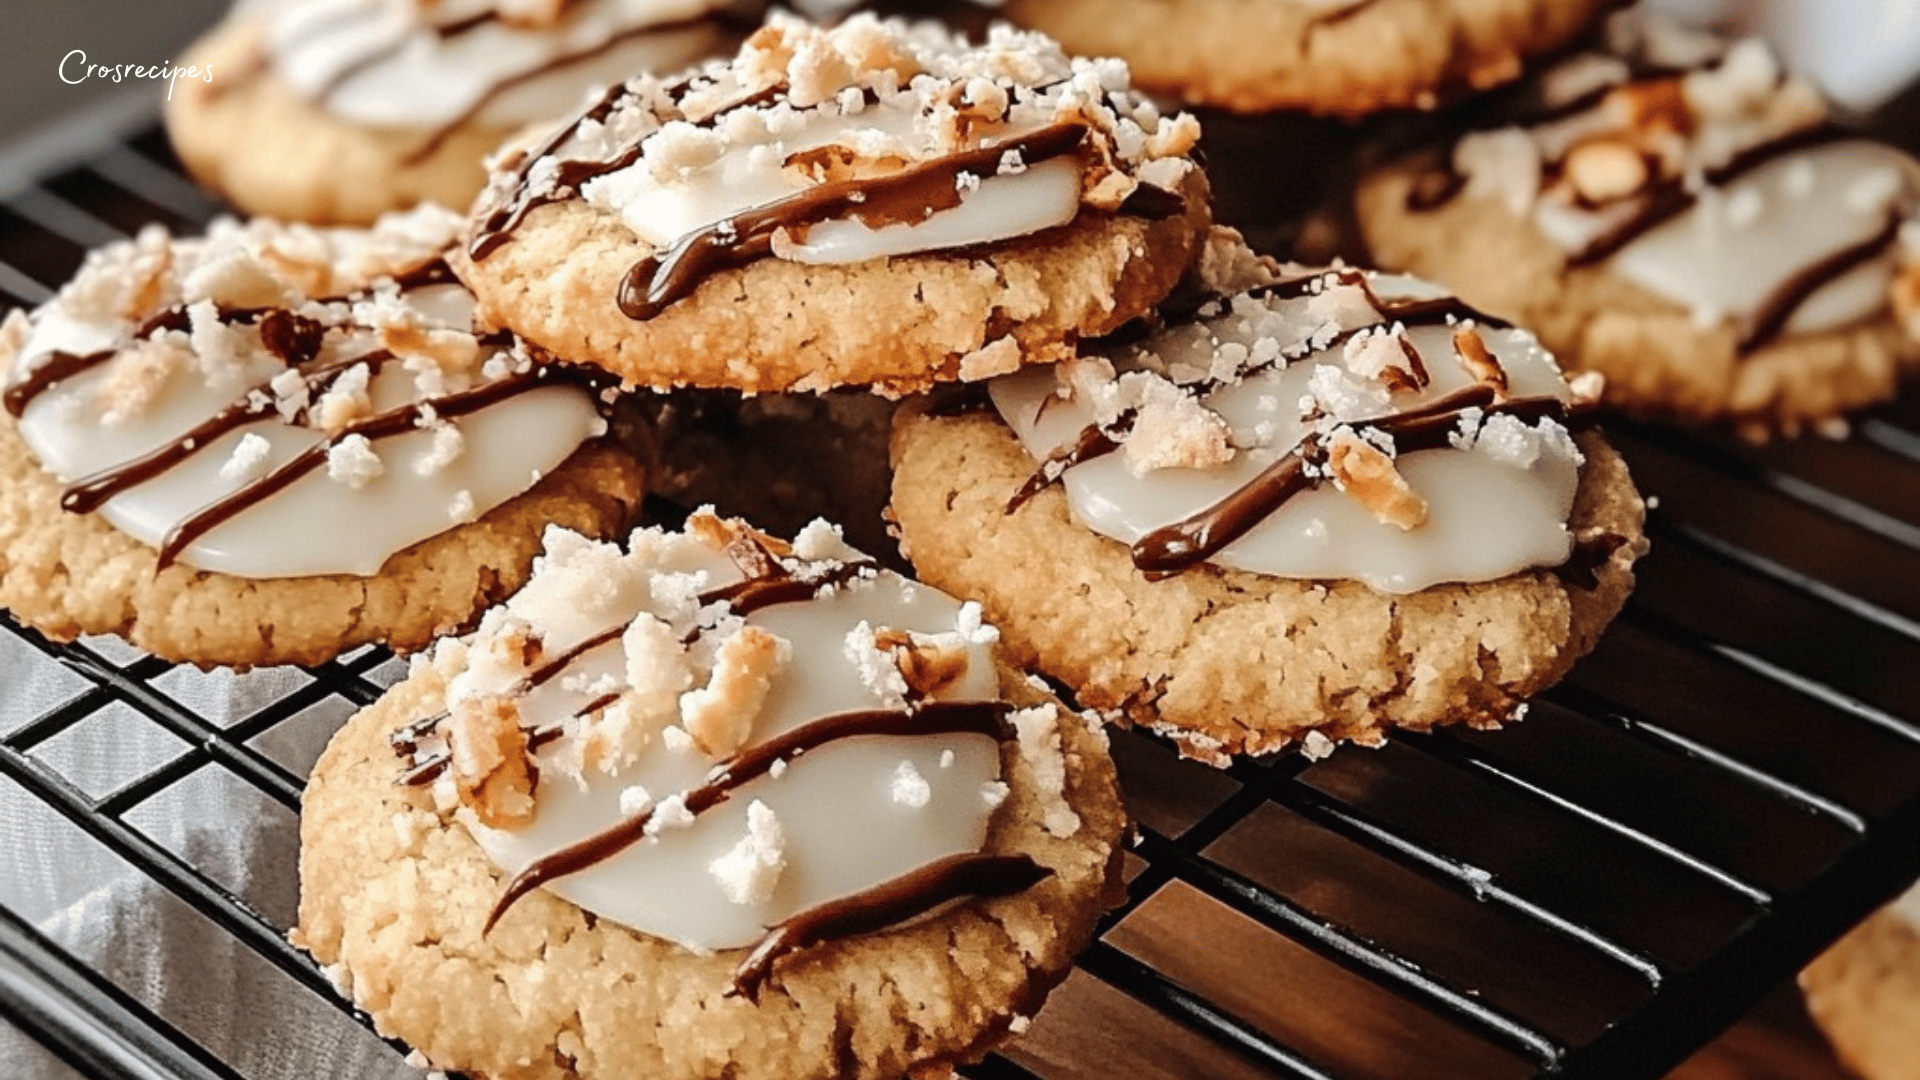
1730 782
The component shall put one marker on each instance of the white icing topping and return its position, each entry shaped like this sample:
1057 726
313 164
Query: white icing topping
380 62
1728 253
803 106
1496 502
371 498
831 822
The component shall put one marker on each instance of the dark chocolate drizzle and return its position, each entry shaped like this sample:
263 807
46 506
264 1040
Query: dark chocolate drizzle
1670 198
767 584
765 591
297 341
406 739
54 369
1093 441
891 903
293 339
502 221
1791 295
89 493
1184 544
987 718
379 426
907 197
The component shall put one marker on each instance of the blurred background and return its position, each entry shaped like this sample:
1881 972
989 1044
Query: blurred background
108 31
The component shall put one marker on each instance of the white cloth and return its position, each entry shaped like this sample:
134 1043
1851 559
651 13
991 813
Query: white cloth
135 932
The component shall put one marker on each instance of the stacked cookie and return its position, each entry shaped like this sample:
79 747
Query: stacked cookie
336 111
1674 210
1252 505
1345 58
274 444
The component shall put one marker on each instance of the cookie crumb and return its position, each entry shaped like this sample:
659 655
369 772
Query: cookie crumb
248 462
1040 748
909 788
750 871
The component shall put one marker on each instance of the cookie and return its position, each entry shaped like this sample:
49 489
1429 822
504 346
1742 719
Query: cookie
877 204
712 806
1676 214
1342 58
1864 993
276 444
337 111
1274 518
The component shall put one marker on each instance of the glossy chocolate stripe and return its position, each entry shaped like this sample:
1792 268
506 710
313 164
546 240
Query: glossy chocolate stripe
987 718
907 197
1782 303
754 594
426 772
406 738
1184 544
501 222
52 370
888 904
1670 199
89 493
380 426
1092 442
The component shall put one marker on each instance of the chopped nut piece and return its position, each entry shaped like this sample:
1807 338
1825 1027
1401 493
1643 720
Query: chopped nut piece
928 665
1602 170
1652 105
489 764
1479 361
720 717
1364 472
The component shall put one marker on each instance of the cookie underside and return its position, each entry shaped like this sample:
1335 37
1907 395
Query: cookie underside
1657 363
397 895
251 138
1233 662
1864 993
1257 55
899 325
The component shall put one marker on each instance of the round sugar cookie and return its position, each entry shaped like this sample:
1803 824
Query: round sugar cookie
656 960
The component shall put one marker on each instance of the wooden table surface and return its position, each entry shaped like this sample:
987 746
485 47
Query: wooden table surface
1775 1042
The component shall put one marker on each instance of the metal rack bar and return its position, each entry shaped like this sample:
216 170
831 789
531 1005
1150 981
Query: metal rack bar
92 1024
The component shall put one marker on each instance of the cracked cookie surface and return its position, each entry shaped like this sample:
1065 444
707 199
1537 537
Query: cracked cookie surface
67 574
1227 661
1864 993
1335 58
394 897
